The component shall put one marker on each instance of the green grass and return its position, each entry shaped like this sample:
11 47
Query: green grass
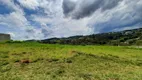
67 62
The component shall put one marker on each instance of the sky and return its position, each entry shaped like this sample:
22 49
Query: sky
42 19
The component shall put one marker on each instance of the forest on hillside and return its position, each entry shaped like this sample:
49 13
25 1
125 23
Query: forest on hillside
127 37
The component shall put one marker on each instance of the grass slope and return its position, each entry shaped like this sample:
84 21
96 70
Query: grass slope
34 61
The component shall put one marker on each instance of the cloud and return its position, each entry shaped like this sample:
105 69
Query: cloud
17 23
84 8
41 19
30 4
127 14
68 6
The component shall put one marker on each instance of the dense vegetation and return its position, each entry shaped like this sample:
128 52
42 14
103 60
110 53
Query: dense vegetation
128 37
35 61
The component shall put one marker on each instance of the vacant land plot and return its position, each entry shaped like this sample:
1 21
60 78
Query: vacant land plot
35 61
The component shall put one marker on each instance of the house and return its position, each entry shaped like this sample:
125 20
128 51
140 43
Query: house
4 37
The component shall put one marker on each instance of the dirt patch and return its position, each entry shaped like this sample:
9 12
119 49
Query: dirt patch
73 52
25 61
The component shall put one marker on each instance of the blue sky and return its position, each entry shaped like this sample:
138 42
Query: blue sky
41 19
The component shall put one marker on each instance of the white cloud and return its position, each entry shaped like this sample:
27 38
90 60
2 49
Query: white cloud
53 23
19 23
30 4
126 14
14 19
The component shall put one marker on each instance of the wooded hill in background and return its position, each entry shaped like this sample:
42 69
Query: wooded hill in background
127 37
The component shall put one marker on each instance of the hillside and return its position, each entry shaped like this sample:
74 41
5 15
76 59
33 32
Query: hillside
127 37
35 61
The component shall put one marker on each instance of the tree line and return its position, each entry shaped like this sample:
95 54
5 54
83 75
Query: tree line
127 37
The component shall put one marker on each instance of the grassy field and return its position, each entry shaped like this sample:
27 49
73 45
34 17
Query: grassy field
35 61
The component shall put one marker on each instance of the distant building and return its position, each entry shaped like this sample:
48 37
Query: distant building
4 37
